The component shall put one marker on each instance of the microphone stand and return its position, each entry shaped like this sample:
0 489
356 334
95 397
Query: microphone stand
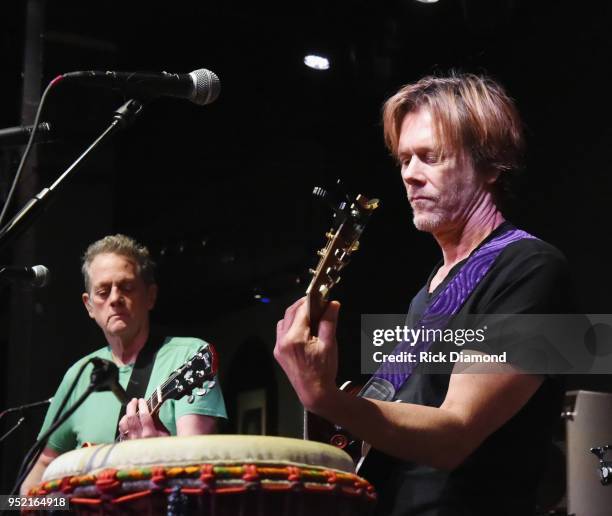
13 428
20 410
122 117
102 377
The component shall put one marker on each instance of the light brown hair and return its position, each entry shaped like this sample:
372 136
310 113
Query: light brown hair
472 115
123 246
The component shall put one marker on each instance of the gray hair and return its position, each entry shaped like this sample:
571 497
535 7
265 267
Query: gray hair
123 246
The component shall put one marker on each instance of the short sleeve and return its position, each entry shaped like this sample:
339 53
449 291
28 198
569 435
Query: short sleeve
64 438
530 277
173 355
210 404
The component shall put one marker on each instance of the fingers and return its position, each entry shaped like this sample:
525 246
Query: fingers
284 325
300 324
133 421
290 314
328 323
137 422
297 323
146 421
123 427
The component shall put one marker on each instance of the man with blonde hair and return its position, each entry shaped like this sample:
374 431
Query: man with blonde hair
120 291
462 442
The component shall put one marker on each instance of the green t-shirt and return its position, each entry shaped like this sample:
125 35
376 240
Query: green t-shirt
95 420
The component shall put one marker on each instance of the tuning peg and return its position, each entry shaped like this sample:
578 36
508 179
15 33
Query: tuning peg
324 195
200 373
319 192
329 235
201 392
311 271
191 399
321 252
355 246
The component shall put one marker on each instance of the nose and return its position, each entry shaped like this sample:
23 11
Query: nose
115 296
412 173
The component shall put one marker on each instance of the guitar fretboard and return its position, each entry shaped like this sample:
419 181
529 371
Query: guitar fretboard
155 401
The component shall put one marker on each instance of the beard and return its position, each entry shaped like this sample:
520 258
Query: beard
437 214
427 221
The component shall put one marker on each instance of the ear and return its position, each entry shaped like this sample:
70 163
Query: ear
87 303
151 296
491 176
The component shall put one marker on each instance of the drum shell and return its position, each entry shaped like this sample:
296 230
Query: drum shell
588 424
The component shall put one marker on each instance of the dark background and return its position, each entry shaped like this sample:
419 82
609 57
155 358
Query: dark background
222 193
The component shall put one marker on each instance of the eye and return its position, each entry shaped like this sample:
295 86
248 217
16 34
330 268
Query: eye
405 160
431 158
102 292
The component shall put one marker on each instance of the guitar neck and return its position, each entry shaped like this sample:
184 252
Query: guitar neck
316 307
342 241
154 402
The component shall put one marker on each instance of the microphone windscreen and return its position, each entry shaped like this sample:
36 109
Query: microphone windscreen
41 275
206 86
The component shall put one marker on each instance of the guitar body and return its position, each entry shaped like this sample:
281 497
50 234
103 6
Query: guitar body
321 430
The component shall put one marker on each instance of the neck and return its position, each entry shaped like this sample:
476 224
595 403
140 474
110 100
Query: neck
459 241
125 349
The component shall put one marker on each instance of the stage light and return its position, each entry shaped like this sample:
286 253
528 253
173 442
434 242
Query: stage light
316 62
427 1
262 299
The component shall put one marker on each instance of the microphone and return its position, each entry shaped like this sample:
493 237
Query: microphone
200 86
19 135
27 406
36 276
106 378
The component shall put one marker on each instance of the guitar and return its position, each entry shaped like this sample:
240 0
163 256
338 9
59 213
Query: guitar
197 373
350 218
194 378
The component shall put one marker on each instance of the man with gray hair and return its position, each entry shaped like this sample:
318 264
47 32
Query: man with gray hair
120 291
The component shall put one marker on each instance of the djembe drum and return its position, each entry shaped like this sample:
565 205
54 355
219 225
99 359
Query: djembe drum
217 475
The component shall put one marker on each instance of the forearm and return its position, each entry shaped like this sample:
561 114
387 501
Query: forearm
33 478
427 435
194 424
478 401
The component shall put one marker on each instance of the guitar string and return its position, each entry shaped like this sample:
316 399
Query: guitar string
165 384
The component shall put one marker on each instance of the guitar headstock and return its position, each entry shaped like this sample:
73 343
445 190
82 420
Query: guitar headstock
194 377
350 218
